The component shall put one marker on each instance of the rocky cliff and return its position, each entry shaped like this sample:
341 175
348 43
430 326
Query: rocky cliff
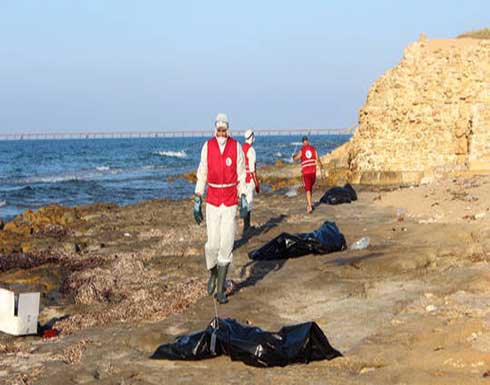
428 116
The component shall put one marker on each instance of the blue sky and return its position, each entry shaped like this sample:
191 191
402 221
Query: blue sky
107 65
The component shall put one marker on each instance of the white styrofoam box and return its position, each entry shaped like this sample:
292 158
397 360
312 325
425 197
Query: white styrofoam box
25 321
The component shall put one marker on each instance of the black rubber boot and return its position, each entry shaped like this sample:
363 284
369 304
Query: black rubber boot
246 222
221 296
213 277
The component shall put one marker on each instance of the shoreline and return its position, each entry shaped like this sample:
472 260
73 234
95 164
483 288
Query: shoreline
138 280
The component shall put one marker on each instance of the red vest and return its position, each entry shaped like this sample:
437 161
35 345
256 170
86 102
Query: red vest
222 175
245 147
308 160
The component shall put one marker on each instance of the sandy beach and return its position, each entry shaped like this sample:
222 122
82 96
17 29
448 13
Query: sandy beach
411 308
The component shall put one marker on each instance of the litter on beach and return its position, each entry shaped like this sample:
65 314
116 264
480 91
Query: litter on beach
18 312
326 239
338 195
301 343
293 191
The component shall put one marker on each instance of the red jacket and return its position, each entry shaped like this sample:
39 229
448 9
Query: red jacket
222 174
245 147
308 160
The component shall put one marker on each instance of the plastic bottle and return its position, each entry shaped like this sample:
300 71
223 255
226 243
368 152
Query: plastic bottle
360 244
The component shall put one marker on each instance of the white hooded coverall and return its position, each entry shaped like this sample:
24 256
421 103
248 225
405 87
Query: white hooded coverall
250 189
220 221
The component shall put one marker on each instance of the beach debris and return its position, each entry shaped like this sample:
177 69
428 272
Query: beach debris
292 192
18 312
301 343
400 214
470 217
430 308
360 244
50 333
367 370
128 235
429 220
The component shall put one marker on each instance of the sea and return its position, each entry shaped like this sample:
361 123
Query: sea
35 173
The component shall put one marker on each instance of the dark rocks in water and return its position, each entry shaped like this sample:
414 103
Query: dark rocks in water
2 224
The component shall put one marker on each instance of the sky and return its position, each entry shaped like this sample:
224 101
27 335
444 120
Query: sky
117 65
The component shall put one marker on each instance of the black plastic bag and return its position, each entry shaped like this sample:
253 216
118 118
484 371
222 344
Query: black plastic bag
300 343
338 195
326 239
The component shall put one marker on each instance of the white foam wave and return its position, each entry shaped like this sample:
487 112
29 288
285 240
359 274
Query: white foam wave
278 154
296 144
174 154
154 167
102 168
3 203
49 179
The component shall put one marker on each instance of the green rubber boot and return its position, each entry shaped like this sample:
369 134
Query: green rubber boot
246 223
221 296
213 276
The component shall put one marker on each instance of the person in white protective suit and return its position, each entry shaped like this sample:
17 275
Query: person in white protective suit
222 168
252 181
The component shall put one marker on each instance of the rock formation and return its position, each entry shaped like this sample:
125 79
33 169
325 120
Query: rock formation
428 116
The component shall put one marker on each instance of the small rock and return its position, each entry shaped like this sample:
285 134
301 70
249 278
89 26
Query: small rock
69 247
430 308
366 370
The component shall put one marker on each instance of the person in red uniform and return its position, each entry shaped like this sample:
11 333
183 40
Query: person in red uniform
222 168
309 159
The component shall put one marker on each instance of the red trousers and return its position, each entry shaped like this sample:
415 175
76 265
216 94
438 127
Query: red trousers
309 181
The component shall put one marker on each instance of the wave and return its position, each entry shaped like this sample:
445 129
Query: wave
278 154
296 143
102 168
3 203
47 179
173 154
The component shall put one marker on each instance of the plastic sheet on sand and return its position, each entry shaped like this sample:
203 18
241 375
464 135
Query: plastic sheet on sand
301 343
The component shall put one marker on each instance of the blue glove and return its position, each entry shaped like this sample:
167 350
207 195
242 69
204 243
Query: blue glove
197 209
243 206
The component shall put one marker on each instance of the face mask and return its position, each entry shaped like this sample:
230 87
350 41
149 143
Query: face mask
221 140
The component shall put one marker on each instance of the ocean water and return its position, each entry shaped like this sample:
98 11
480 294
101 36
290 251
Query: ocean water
34 173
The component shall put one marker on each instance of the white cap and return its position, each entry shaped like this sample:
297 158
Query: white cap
248 134
221 121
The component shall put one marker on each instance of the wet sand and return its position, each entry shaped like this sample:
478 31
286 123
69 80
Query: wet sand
412 308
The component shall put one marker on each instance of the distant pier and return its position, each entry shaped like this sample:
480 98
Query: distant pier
170 134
